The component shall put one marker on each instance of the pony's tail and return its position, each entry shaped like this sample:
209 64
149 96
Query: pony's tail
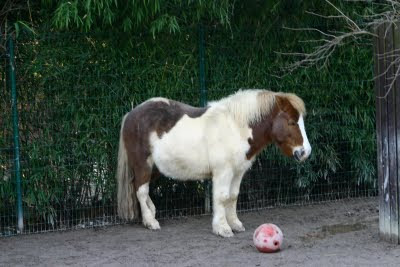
127 200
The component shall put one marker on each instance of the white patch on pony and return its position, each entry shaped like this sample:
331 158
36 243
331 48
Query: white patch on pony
195 148
305 149
159 99
181 153
306 144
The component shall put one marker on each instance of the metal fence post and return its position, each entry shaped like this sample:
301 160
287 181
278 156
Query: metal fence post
203 103
14 106
203 89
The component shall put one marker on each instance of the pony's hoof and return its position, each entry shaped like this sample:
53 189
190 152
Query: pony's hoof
238 227
154 225
224 232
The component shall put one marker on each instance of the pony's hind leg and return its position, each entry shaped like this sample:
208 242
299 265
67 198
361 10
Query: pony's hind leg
147 207
155 174
144 173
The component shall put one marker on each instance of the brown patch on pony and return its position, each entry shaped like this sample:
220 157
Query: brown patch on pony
146 118
279 125
261 136
286 131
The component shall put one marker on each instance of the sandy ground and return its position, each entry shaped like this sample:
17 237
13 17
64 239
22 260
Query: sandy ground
343 233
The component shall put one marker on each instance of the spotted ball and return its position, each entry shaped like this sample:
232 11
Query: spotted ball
268 238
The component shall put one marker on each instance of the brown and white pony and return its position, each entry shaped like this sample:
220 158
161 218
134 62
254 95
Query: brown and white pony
219 142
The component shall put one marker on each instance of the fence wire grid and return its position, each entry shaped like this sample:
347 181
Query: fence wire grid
73 90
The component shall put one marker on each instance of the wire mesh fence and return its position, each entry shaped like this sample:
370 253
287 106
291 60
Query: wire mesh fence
73 90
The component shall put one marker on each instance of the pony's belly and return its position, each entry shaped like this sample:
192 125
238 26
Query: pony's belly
181 157
182 166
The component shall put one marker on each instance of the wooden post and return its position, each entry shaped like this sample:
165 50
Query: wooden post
386 47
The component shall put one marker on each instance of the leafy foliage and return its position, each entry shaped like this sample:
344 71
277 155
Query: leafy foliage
134 15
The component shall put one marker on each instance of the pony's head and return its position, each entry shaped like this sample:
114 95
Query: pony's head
288 131
273 118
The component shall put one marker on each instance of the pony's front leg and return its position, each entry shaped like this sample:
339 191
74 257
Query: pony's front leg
221 185
231 214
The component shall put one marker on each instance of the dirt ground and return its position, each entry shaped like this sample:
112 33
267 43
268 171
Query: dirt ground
343 233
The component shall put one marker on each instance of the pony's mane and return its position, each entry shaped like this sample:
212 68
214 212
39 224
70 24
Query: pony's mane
250 106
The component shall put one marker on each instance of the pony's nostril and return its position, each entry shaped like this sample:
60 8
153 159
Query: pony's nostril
303 152
297 155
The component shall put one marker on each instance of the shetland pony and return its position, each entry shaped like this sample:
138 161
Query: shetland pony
219 141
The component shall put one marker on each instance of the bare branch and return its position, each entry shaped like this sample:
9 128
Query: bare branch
331 39
309 29
348 20
323 16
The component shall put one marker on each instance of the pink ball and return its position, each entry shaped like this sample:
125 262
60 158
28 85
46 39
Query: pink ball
268 238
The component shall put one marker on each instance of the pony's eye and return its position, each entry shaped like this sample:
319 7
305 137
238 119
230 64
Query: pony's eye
292 123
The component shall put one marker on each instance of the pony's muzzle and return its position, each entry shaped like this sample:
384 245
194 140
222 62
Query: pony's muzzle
300 154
